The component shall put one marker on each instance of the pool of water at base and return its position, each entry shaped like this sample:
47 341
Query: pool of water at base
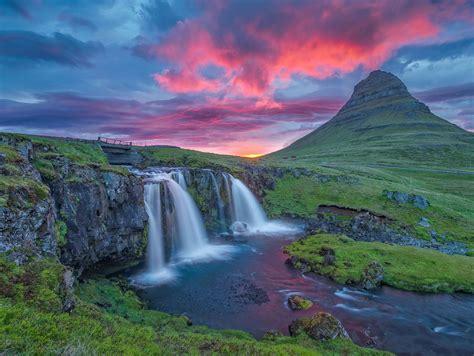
248 291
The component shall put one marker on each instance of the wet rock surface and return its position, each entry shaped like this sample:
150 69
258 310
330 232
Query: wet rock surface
321 326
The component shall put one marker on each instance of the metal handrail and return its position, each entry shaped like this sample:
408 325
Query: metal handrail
113 141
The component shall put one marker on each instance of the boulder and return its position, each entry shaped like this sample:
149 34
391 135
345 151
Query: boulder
239 228
329 255
321 326
418 201
372 276
424 222
297 302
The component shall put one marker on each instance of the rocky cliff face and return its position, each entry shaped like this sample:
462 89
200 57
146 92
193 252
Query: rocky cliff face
83 214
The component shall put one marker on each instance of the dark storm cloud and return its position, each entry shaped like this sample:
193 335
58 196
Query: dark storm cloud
76 22
407 55
158 14
59 48
14 7
447 93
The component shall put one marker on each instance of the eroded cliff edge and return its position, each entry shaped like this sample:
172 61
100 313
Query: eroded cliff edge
65 200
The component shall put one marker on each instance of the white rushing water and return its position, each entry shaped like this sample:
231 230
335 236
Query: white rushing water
246 207
155 250
178 176
220 203
191 234
176 230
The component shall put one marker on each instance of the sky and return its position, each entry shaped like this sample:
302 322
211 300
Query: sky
242 77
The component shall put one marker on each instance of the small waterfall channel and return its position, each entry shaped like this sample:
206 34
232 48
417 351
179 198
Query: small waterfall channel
176 228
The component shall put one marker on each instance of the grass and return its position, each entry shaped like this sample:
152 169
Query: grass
407 268
451 197
110 320
21 192
178 157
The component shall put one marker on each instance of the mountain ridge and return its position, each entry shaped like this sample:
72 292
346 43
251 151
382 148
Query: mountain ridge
383 123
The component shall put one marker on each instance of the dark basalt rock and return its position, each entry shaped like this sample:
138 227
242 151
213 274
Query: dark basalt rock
373 275
103 212
67 291
321 326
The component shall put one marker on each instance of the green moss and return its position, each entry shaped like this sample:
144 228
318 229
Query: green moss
115 169
109 319
60 229
406 268
21 192
11 155
78 152
45 168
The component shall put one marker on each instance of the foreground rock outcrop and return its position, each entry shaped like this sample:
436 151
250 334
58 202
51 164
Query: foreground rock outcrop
321 326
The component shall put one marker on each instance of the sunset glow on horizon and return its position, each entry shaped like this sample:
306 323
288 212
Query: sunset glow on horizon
234 77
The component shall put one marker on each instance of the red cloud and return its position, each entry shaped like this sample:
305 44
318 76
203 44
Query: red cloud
256 43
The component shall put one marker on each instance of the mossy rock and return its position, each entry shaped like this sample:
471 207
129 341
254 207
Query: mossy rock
297 302
321 326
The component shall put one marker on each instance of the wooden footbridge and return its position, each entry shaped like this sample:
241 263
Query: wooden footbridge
119 151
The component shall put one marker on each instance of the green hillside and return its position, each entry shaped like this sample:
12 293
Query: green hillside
382 123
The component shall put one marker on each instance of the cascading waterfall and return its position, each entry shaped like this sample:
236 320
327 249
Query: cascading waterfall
155 255
176 230
178 176
220 203
189 225
226 177
246 207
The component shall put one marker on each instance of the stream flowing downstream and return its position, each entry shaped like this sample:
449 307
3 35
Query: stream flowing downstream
248 291
245 284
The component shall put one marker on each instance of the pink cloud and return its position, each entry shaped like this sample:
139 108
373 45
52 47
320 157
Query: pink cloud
257 43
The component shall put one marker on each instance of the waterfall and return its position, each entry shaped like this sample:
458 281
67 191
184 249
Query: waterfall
155 255
178 176
176 231
226 178
191 233
220 203
246 207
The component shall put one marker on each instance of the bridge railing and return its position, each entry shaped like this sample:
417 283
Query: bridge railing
114 141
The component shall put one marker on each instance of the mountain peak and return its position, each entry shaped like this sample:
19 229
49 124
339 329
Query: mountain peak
378 85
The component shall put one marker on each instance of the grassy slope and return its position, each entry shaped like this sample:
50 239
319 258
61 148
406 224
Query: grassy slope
108 320
392 130
179 157
405 267
451 197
